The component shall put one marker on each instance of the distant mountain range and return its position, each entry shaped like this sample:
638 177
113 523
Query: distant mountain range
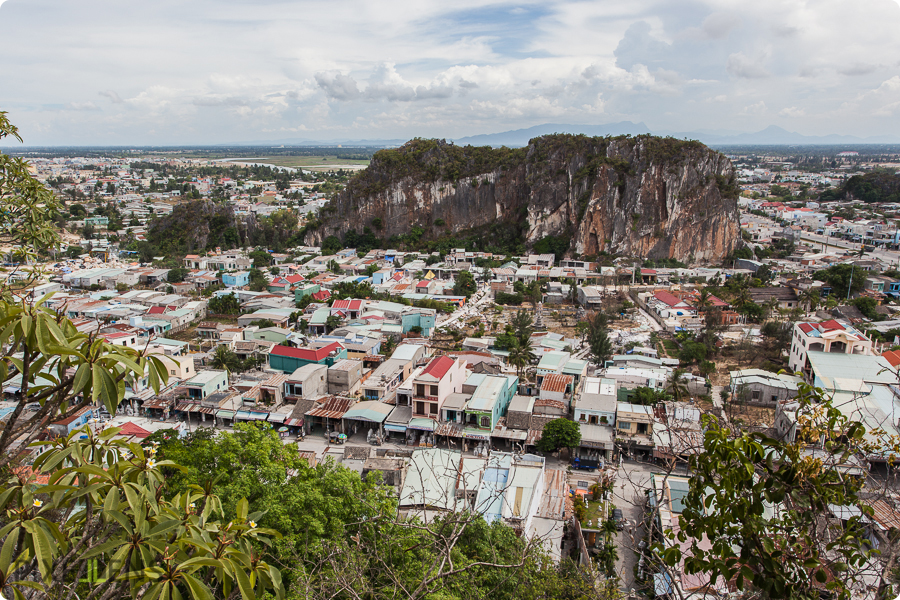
770 136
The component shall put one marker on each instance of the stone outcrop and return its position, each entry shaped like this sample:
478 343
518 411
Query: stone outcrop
640 196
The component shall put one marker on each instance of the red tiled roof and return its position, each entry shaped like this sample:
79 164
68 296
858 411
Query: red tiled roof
115 336
322 295
422 284
130 428
892 356
831 325
347 304
438 367
306 353
157 310
667 298
294 278
556 382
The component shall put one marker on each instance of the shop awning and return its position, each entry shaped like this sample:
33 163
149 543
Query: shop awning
277 418
243 414
257 416
421 424
395 428
225 414
472 434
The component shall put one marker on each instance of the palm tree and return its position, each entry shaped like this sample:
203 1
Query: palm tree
520 355
224 358
522 323
677 388
742 297
809 297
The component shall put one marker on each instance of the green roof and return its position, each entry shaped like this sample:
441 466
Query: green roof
553 361
369 410
320 316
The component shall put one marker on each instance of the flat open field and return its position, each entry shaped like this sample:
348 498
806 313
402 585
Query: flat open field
303 161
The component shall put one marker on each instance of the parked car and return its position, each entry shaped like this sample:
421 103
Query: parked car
618 518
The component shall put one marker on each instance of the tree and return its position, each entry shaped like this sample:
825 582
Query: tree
464 284
521 355
331 245
866 306
106 515
334 267
810 298
762 504
581 329
261 258
332 322
258 281
841 278
692 351
523 325
225 358
598 339
676 388
559 433
227 304
647 396
176 275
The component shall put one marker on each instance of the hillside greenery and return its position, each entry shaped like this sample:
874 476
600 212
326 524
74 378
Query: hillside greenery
881 185
201 225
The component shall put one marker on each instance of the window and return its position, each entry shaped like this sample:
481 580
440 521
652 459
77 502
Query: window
754 394
485 422
434 390
432 408
420 408
624 425
581 417
171 371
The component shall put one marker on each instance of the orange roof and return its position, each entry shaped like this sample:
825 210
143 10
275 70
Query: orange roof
892 356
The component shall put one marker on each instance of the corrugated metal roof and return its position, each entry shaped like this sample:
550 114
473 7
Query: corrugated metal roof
556 383
333 408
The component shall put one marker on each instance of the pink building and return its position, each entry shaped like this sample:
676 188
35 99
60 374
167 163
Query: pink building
443 376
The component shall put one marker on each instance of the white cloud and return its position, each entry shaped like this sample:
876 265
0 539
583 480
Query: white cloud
229 71
755 109
792 111
740 65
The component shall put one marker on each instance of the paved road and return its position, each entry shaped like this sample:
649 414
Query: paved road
632 481
470 309
653 324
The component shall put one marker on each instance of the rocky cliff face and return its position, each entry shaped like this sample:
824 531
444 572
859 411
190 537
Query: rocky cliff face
643 196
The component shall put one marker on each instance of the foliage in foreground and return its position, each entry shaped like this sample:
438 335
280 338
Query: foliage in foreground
102 528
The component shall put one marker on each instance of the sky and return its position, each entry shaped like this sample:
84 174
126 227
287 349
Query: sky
119 72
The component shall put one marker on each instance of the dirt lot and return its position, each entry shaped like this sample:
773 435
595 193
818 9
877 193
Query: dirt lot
750 416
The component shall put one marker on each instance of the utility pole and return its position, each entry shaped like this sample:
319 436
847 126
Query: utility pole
849 287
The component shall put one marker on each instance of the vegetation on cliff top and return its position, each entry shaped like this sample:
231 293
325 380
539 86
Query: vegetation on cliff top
438 160
881 185
432 160
203 225
549 159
